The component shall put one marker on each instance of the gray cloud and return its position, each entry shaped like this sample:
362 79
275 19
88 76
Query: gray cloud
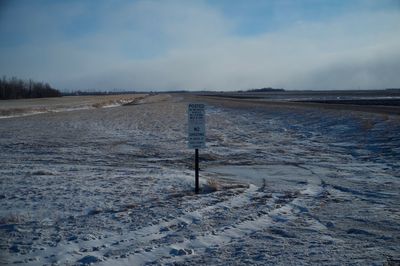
379 72
188 45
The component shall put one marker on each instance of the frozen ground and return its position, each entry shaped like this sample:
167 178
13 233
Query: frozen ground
113 186
24 107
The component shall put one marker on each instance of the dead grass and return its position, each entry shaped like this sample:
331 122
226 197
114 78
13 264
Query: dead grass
367 124
213 185
12 218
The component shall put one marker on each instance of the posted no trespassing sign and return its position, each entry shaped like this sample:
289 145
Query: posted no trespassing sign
196 126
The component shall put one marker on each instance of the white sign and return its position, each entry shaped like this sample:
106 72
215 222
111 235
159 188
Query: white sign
196 126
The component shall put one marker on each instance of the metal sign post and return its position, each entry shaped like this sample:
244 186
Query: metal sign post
196 171
196 134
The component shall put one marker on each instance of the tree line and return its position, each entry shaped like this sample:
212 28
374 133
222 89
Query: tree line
269 89
14 88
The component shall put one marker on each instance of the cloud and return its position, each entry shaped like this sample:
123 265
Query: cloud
191 45
379 72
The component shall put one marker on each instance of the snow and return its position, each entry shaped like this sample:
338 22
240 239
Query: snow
27 107
114 186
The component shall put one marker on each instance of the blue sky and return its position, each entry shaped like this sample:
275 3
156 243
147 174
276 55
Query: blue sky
204 44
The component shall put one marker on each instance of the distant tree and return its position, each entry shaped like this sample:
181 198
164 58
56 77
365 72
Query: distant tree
14 88
269 89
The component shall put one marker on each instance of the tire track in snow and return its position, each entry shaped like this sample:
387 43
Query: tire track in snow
179 251
141 236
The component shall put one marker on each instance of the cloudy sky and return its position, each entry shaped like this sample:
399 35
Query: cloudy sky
200 44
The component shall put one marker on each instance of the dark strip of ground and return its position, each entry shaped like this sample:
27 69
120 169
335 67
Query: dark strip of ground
381 102
351 105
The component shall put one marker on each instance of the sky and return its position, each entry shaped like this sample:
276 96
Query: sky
202 44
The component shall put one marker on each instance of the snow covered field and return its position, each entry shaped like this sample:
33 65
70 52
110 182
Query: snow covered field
24 107
114 186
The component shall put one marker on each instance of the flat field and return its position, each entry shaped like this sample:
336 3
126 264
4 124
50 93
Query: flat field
288 184
22 107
